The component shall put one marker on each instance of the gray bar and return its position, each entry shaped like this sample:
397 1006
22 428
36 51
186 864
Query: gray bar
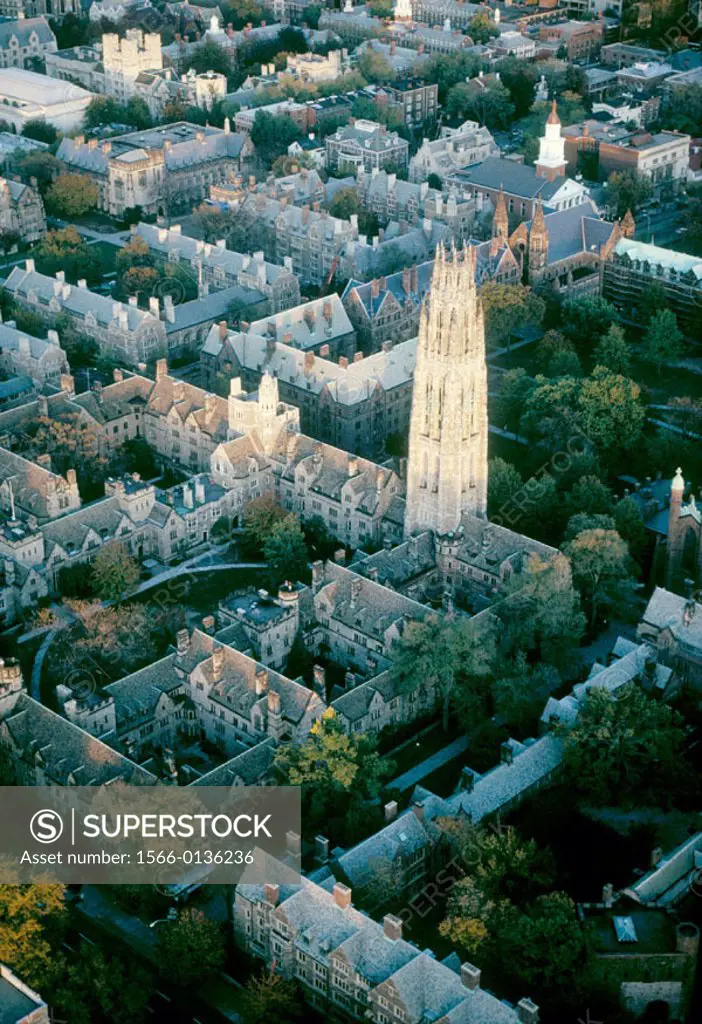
150 835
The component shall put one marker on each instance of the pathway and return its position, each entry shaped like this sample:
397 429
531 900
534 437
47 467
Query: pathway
441 757
186 569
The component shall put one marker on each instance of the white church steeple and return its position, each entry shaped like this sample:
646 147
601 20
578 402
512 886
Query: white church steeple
551 162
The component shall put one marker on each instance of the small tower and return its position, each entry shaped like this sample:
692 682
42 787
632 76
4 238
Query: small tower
676 532
500 224
551 163
628 226
538 242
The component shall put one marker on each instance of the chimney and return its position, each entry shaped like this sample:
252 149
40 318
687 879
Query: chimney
656 856
161 368
208 623
217 663
470 977
154 307
317 575
271 894
261 681
309 362
608 895
319 685
182 641
342 895
506 753
292 839
321 849
117 376
83 283
527 1011
273 703
390 810
392 927
356 588
418 810
343 362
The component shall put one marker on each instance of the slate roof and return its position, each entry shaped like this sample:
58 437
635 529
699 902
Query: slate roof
668 259
313 323
487 546
577 229
414 246
31 482
23 29
137 695
683 618
361 293
346 385
77 301
428 989
516 179
67 750
38 347
250 768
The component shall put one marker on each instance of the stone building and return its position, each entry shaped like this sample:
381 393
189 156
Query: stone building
392 199
565 249
123 330
353 404
635 266
455 149
21 211
308 238
25 41
41 359
366 144
159 169
319 323
447 467
272 287
125 59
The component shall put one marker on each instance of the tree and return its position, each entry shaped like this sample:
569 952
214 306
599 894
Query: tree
191 948
591 496
654 300
481 29
209 56
515 387
346 203
504 481
72 195
66 250
286 552
588 521
434 181
333 759
507 307
96 988
117 639
272 135
381 8
115 573
375 67
137 113
450 656
663 340
520 79
630 525
41 130
542 613
40 165
544 947
612 351
585 320
520 694
601 568
269 998
32 919
627 190
610 411
565 364
448 69
100 111
260 516
491 106
624 747
72 444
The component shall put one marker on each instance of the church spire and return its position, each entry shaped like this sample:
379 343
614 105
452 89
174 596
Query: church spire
628 225
447 466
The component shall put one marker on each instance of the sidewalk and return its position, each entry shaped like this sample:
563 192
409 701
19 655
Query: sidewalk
430 764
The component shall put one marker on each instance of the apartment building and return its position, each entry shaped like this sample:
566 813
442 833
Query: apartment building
159 169
412 99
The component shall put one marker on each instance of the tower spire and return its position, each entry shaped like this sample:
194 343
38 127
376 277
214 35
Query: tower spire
447 466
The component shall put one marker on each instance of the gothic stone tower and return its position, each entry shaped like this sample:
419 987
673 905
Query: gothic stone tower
447 466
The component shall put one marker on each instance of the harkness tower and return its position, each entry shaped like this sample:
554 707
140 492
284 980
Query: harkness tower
447 465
